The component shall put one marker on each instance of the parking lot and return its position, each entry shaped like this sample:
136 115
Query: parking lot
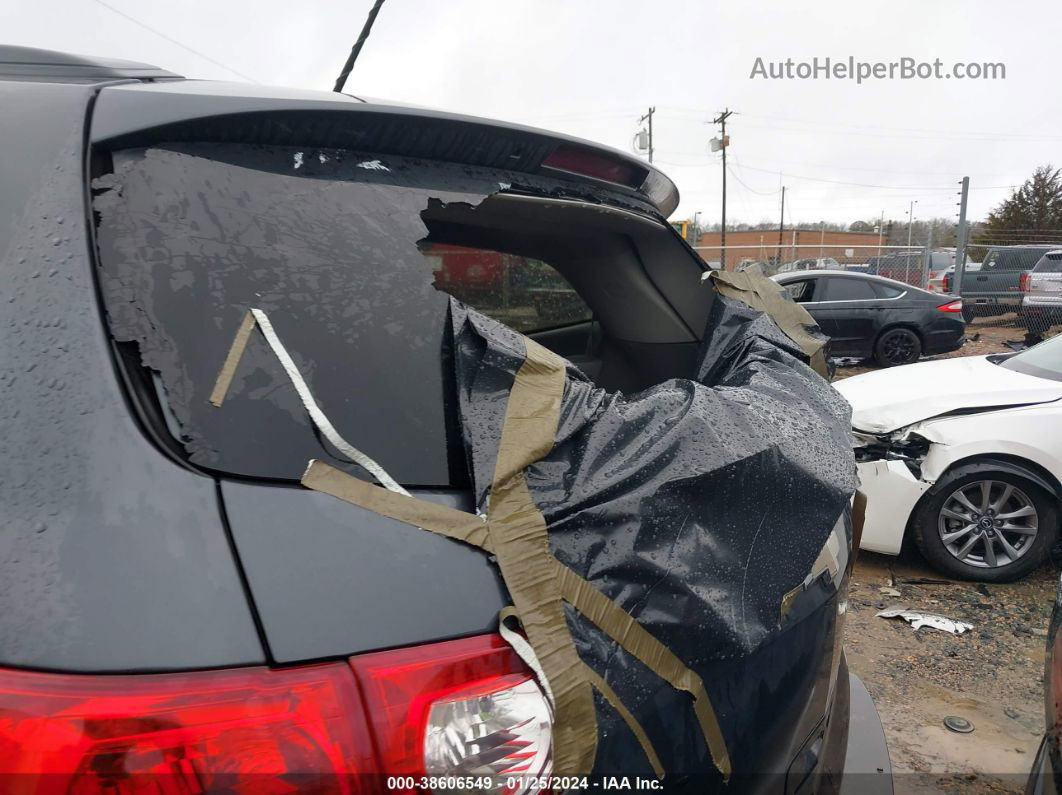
992 676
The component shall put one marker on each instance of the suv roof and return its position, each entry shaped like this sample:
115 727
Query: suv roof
132 113
30 63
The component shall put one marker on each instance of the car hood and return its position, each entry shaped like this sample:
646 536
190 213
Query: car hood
886 400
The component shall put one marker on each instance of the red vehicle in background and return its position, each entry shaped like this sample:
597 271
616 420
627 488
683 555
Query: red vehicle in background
463 269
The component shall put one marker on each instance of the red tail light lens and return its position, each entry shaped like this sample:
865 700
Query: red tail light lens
588 163
467 708
243 730
470 709
946 284
951 307
1023 282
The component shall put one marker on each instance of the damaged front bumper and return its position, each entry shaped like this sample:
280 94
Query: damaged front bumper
889 485
891 474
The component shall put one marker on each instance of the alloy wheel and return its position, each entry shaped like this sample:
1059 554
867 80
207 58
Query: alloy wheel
899 347
988 523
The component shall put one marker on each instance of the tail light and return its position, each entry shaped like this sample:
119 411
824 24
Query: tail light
952 307
242 730
946 286
1023 281
472 709
588 163
461 708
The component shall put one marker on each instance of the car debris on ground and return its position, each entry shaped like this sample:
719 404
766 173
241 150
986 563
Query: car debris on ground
918 620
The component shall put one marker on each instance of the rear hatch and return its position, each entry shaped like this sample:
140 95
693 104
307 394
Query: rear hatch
203 217
336 222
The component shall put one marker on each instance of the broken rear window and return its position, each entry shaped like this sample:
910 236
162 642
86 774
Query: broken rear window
192 236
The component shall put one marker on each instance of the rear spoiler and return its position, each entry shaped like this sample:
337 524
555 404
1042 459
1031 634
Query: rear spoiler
139 114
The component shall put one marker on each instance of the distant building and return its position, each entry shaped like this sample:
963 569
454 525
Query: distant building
761 245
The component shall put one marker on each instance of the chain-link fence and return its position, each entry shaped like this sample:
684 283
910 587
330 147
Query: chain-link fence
914 265
1005 279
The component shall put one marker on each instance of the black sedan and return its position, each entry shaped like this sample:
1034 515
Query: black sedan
873 317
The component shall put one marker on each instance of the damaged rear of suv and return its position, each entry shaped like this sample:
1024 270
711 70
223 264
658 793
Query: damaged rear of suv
213 288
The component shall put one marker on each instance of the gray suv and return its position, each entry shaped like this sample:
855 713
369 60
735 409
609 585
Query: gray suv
176 611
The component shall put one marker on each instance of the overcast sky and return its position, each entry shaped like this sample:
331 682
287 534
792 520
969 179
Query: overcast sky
591 68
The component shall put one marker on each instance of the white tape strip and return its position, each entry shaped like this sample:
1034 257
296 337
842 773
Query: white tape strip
524 652
316 415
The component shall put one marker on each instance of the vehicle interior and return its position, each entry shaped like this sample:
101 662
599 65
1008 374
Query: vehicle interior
639 307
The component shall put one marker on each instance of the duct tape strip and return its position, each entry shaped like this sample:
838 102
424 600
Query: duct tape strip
523 649
461 526
598 682
828 560
635 639
232 360
768 296
318 417
538 582
470 529
520 542
527 654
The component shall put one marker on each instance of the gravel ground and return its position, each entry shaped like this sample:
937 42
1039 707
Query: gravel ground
992 675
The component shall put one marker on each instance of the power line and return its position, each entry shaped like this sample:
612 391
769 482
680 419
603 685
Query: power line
870 185
954 137
585 115
746 187
172 40
828 181
844 128
878 170
906 130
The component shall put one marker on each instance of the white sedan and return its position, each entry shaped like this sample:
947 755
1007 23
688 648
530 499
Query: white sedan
966 455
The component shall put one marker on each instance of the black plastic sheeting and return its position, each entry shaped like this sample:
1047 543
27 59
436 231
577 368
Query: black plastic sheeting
695 505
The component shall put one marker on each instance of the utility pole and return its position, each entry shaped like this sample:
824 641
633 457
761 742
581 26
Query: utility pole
907 254
881 231
649 117
927 257
960 242
721 119
781 228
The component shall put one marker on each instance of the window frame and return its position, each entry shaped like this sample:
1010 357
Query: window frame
812 280
836 278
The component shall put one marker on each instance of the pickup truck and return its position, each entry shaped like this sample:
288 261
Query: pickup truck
996 288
